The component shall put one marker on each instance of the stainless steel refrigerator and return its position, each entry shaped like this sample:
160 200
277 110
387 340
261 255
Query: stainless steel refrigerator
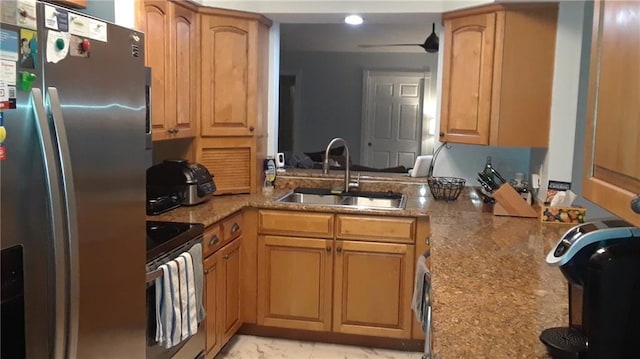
72 186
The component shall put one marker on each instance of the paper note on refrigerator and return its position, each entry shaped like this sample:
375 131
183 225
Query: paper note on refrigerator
57 45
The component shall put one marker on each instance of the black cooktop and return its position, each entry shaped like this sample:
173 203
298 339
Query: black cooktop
163 237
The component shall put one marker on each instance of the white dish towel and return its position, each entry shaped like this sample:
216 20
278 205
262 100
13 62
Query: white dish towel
176 305
190 317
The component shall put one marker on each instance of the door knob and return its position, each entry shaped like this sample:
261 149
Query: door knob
441 134
635 204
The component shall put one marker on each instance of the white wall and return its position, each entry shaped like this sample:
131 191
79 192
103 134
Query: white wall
274 83
564 105
125 13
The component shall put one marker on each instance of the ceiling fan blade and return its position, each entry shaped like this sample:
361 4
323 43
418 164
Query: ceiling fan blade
385 45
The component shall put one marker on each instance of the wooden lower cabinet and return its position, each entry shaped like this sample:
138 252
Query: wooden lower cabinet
213 342
335 285
230 294
294 283
222 296
373 287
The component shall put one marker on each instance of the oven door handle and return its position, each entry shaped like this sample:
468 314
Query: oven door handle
153 275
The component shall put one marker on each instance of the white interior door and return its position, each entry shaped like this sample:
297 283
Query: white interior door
392 118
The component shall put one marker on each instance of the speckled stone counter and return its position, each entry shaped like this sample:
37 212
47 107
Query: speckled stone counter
492 291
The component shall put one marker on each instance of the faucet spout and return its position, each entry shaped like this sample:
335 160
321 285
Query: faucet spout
325 163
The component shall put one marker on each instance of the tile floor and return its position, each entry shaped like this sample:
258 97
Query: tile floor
251 347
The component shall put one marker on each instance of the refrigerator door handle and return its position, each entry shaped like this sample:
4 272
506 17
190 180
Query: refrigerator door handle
71 216
55 209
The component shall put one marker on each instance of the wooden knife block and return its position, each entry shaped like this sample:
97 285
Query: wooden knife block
509 203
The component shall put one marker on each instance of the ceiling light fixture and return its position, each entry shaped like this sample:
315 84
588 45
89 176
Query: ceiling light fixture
353 20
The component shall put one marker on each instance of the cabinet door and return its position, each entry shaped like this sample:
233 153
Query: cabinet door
467 79
80 4
294 283
373 286
155 25
230 282
212 295
231 161
184 70
228 77
612 161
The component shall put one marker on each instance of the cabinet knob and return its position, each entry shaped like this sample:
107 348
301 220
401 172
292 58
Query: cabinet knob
369 144
635 204
441 134
235 228
226 256
214 239
328 249
339 249
251 128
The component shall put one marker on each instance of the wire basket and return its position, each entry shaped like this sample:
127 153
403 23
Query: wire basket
446 188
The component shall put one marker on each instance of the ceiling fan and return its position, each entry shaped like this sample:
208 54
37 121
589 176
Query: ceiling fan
430 44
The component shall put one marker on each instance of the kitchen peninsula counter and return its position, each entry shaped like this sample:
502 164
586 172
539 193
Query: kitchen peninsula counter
492 291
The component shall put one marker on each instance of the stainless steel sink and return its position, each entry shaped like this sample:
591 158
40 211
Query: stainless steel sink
364 200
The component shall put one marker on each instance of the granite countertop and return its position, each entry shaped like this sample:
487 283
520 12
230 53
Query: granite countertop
492 291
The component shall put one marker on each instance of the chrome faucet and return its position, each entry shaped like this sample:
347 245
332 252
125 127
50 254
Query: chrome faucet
347 173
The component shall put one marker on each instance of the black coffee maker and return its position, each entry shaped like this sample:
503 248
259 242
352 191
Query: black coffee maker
601 261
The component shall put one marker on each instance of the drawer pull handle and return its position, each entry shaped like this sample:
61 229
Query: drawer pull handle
214 239
235 228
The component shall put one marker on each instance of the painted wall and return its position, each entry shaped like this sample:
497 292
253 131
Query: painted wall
103 9
330 89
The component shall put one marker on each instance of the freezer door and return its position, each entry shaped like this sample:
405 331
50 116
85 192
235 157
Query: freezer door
26 211
97 104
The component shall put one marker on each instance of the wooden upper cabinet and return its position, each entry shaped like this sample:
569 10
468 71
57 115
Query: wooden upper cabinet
155 24
466 86
229 76
497 75
78 4
171 40
612 160
184 71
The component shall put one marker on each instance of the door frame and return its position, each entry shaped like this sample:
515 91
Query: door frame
296 102
367 80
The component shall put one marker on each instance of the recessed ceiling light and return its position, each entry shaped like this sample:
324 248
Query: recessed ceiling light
353 20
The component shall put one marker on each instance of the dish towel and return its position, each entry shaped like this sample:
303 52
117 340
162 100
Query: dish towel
163 305
190 316
173 291
168 308
421 290
196 256
184 295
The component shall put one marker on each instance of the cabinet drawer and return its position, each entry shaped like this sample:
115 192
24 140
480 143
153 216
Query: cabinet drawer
296 223
380 229
232 227
212 240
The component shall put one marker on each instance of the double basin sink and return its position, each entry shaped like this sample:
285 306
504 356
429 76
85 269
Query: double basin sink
352 199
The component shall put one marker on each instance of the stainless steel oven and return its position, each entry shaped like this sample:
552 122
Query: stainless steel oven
165 242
